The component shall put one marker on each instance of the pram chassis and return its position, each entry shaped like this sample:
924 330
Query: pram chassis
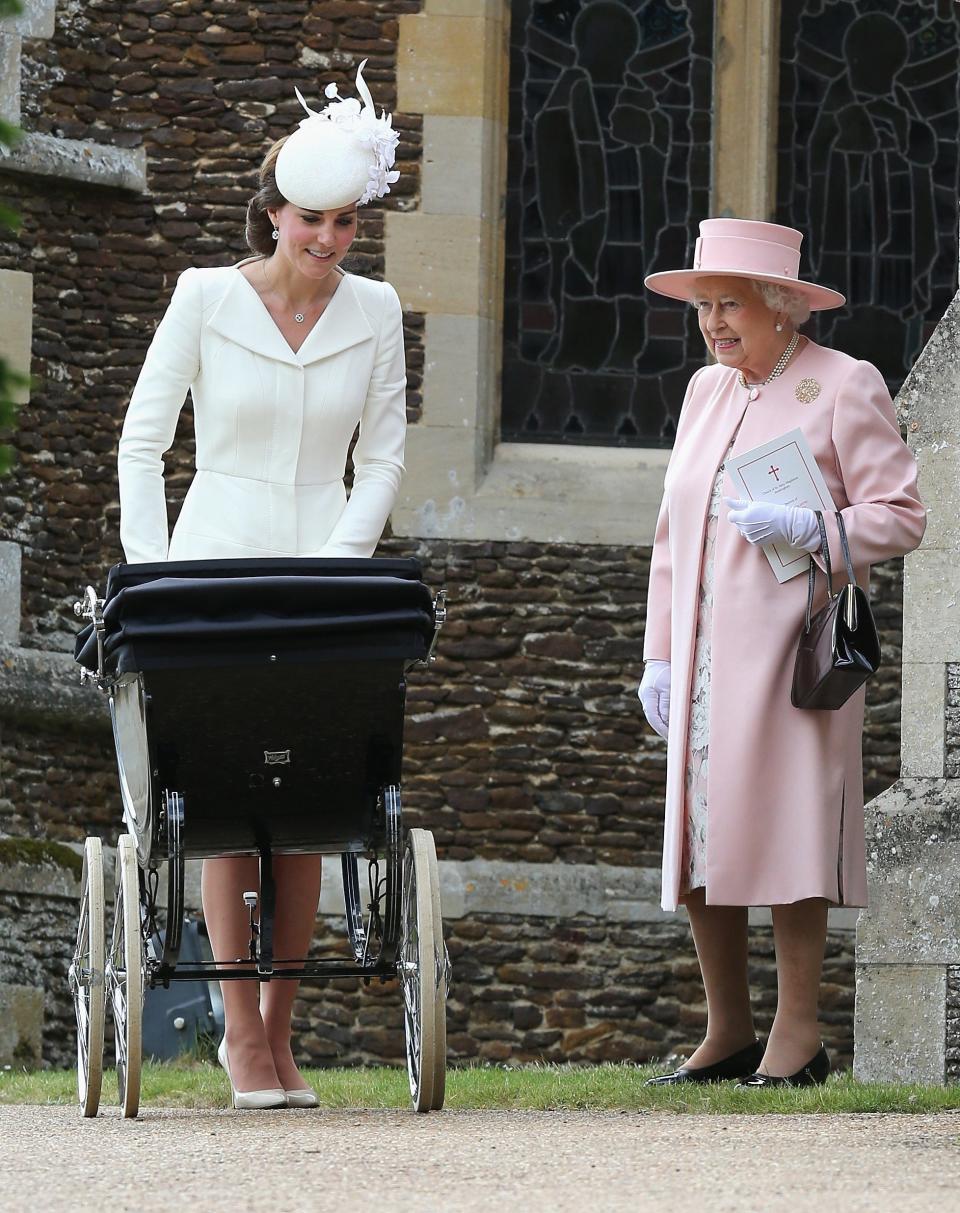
395 932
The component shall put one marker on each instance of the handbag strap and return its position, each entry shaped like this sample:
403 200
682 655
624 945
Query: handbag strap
845 548
812 576
825 549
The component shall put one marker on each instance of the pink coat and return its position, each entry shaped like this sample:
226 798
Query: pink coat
785 796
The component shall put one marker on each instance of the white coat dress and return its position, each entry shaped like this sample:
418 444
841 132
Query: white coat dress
273 427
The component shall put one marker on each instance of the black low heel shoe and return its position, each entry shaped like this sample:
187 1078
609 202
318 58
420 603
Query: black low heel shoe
812 1075
737 1065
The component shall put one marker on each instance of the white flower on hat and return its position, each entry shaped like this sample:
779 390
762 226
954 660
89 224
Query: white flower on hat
341 154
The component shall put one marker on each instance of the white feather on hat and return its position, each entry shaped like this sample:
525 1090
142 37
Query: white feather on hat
338 155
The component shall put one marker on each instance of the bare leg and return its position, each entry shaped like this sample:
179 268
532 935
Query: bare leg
224 882
720 934
800 935
298 891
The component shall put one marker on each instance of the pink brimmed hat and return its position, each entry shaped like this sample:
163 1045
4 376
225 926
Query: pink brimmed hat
745 248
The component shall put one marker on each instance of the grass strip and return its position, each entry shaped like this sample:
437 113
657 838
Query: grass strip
611 1088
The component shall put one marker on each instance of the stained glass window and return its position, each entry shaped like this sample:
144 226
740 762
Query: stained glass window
608 176
868 166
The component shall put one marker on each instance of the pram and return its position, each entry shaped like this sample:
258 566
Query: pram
257 709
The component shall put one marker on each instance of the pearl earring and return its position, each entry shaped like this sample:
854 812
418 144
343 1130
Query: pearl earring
779 326
276 236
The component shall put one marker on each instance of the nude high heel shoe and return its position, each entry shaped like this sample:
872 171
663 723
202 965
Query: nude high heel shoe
276 1097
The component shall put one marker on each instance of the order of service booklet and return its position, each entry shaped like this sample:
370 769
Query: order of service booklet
783 472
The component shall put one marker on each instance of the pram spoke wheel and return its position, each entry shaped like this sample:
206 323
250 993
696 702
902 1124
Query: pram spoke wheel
125 976
422 971
86 979
375 939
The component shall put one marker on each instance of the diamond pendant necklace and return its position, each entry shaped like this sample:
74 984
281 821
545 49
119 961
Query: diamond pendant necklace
299 317
753 389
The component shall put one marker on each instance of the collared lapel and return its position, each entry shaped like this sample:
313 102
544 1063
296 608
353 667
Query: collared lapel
343 323
242 318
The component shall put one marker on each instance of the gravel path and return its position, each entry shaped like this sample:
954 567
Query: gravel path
50 1158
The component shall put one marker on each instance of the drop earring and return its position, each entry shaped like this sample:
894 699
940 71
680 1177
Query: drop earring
276 236
779 326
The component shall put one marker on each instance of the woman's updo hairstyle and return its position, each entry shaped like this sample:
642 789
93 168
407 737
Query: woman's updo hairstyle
259 225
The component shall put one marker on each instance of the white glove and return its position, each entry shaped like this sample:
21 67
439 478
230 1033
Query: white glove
761 523
654 695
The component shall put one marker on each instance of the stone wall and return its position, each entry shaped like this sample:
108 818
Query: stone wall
36 946
953 1024
560 990
908 940
39 886
951 739
57 786
582 987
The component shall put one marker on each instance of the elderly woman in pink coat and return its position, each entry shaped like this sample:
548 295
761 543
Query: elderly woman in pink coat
764 802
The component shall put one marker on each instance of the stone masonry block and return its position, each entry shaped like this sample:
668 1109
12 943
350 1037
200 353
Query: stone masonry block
10 77
929 401
900 1023
80 160
9 593
535 492
491 10
449 64
21 1026
36 21
922 726
16 331
913 856
436 262
450 460
454 379
910 935
470 146
939 482
931 593
42 689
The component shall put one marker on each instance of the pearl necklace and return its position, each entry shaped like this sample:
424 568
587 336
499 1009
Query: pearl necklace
753 389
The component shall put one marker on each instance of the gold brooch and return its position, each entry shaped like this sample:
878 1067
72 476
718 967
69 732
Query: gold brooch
807 390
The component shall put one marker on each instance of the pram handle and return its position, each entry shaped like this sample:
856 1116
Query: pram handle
91 607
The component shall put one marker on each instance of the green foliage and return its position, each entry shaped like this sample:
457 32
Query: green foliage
10 380
9 135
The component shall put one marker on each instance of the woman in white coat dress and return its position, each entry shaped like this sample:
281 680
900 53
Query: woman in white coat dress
284 355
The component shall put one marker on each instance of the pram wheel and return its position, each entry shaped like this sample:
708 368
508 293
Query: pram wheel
86 979
423 973
125 976
442 965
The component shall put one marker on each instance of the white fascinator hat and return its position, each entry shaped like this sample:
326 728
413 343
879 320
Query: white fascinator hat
338 155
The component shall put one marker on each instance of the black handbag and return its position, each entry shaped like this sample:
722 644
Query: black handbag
839 648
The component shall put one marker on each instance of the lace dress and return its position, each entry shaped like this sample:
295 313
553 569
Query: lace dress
698 736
